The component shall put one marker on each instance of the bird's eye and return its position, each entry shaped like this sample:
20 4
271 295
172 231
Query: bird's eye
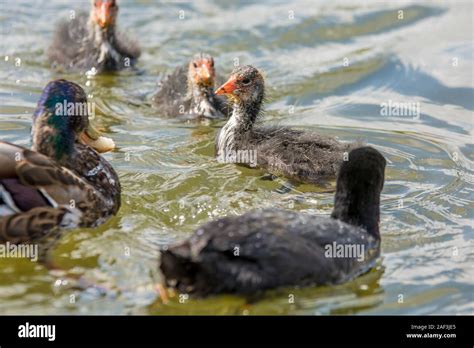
246 81
195 65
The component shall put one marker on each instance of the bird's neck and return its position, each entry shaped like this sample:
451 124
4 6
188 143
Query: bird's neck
79 158
99 34
239 125
52 138
104 40
358 207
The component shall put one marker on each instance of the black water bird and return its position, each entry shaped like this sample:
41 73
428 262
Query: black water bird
270 248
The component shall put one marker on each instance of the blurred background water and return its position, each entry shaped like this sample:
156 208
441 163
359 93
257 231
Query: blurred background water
329 66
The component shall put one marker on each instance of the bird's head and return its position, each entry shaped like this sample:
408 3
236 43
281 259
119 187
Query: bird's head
245 85
202 71
104 13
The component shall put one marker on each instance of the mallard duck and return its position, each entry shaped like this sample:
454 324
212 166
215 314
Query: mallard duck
299 155
188 92
62 182
91 41
270 248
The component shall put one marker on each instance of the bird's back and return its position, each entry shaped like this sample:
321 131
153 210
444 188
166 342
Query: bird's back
267 249
301 155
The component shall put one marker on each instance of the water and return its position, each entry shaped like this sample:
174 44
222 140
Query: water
333 64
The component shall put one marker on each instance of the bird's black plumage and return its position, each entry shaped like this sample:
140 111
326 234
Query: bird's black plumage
265 249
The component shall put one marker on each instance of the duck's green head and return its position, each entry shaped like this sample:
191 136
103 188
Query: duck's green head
61 120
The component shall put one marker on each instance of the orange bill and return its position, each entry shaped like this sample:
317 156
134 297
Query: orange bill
227 88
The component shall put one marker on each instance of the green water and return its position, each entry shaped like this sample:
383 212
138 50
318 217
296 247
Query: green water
172 184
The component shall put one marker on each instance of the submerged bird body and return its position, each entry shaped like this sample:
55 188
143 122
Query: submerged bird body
300 155
90 41
61 182
270 248
189 91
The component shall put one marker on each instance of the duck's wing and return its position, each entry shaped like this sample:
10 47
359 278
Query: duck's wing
32 225
37 195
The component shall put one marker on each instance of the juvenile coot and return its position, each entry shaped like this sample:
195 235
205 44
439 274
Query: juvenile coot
189 91
270 248
62 182
88 41
299 155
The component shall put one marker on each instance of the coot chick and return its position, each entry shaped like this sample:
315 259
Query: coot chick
265 249
92 41
189 91
299 155
62 182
